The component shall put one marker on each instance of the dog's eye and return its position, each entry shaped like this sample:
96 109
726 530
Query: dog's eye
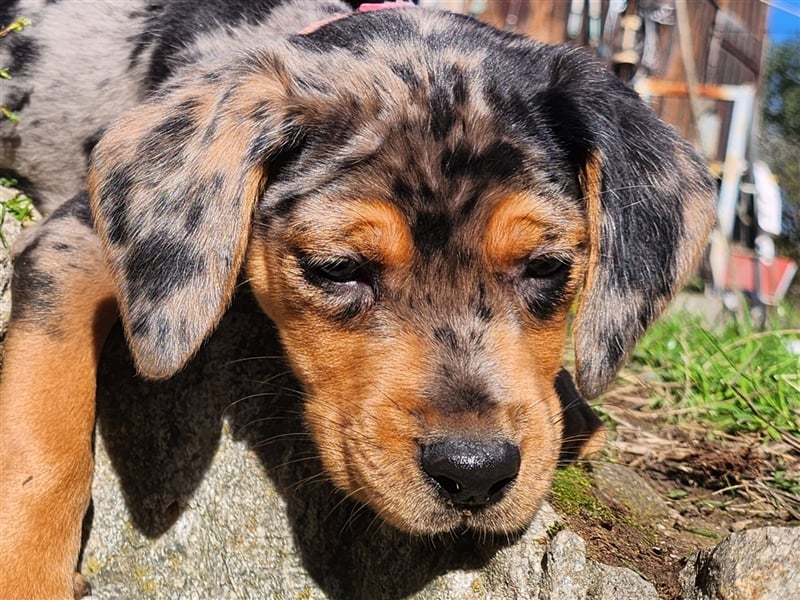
545 267
340 269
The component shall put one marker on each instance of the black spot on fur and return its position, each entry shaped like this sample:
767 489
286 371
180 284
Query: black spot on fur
159 266
460 392
18 100
465 212
35 293
402 190
285 204
407 75
500 161
460 91
171 27
482 310
164 147
446 336
441 114
448 94
313 84
568 123
212 76
180 124
90 142
140 324
76 208
457 161
431 231
194 216
24 53
114 202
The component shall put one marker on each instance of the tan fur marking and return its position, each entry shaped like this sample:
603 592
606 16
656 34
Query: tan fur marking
591 179
46 424
521 224
513 230
381 229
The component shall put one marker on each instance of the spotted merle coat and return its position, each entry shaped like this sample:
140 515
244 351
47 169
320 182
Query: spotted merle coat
417 200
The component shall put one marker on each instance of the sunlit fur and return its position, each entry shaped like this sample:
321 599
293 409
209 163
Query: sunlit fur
477 186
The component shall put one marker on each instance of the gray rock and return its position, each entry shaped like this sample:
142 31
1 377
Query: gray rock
569 575
613 583
620 485
565 568
759 564
10 229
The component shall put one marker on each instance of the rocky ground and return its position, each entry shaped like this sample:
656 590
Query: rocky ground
208 487
671 489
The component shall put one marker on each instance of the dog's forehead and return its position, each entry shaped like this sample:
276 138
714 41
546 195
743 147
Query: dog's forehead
429 110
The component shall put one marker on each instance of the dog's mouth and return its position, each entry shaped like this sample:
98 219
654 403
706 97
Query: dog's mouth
476 485
438 480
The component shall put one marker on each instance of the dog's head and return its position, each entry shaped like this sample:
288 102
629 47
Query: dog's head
419 201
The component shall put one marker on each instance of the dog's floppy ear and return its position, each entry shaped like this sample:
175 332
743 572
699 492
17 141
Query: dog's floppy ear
173 185
649 203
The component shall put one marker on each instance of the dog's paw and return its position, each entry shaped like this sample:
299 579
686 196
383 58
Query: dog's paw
81 586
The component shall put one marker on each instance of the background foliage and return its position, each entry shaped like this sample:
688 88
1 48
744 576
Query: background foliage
780 139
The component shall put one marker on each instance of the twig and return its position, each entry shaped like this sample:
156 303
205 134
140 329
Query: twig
18 25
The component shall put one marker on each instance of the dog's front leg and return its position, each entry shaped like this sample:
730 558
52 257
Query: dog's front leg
63 307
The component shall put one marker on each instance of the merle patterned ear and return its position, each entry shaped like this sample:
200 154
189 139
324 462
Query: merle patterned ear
650 205
173 184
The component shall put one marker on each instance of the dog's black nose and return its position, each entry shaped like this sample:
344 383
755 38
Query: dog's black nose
471 472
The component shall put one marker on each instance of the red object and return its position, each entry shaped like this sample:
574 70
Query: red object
768 278
363 8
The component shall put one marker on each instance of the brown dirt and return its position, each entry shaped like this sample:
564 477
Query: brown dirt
710 485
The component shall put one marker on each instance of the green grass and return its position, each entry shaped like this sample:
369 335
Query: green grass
735 378
571 493
19 207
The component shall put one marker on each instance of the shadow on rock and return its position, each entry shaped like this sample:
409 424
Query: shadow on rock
162 437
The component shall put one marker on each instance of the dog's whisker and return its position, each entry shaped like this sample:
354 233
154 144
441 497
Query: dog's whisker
264 357
317 478
349 496
300 435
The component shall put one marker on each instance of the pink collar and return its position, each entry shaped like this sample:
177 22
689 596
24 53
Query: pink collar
385 5
363 8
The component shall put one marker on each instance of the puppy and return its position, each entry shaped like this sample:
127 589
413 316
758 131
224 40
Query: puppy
417 200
